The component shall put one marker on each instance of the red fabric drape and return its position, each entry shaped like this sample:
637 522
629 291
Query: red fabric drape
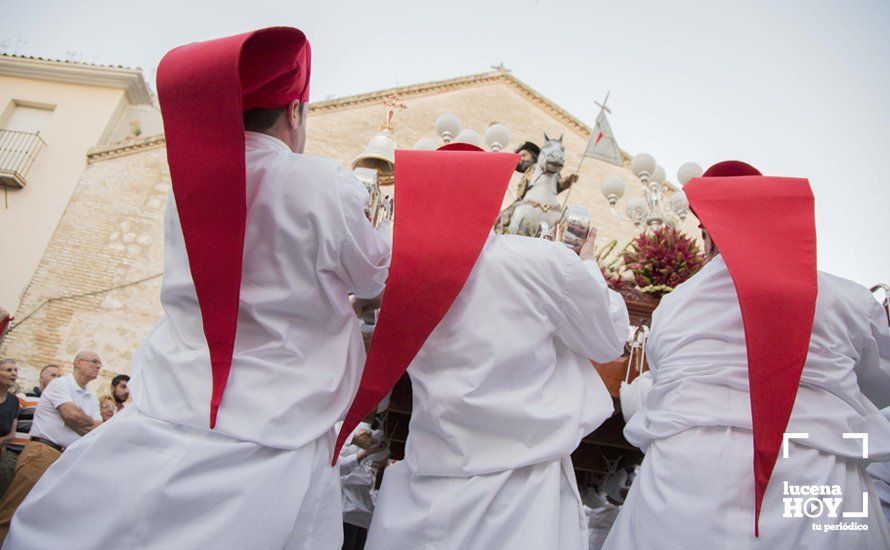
202 88
765 230
445 204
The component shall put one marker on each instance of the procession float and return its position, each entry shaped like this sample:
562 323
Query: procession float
642 270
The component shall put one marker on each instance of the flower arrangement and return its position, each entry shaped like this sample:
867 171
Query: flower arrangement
662 259
613 270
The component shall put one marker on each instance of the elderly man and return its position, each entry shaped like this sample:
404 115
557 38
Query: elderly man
67 410
763 368
497 330
119 391
28 404
238 387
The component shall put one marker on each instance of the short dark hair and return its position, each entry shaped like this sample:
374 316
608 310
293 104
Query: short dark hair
259 120
117 380
50 366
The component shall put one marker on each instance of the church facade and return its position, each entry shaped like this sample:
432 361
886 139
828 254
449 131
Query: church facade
97 285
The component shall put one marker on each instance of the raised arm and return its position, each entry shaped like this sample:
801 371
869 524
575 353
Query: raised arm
365 252
594 318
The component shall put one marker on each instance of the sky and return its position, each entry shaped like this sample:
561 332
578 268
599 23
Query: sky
796 88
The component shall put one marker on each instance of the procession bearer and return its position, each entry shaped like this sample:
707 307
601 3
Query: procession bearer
756 345
238 387
497 330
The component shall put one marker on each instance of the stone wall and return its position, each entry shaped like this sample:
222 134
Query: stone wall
112 231
111 234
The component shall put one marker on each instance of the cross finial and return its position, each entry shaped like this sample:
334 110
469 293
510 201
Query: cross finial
602 105
392 104
500 67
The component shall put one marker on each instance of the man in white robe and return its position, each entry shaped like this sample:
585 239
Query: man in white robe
358 462
503 390
695 487
601 506
259 474
879 472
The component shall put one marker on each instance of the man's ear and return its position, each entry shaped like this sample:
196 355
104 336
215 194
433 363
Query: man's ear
294 113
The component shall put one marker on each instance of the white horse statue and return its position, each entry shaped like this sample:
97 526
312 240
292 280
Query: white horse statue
536 202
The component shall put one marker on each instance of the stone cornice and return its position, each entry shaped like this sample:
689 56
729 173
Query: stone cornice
370 98
130 80
439 86
124 148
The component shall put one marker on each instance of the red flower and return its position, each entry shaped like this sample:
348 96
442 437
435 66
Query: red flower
662 259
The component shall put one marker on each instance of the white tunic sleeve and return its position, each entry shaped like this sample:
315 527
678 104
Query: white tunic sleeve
365 251
873 366
348 462
594 319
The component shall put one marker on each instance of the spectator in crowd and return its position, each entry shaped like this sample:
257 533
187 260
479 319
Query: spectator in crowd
359 462
119 391
9 404
47 375
27 405
107 407
66 411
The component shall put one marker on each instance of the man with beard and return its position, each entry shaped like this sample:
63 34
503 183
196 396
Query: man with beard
528 156
119 391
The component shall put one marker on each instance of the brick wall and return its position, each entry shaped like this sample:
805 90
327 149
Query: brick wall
112 232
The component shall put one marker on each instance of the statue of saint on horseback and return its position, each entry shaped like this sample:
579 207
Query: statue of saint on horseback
537 190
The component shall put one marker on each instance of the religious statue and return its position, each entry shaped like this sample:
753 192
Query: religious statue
537 190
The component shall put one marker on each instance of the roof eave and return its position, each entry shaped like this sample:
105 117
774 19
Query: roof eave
130 80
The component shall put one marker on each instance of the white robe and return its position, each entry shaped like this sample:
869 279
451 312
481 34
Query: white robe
600 514
297 363
503 393
879 472
357 479
695 488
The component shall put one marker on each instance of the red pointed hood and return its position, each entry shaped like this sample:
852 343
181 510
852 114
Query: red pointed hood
765 229
446 202
203 89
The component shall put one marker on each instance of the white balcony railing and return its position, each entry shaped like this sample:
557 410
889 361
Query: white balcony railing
18 150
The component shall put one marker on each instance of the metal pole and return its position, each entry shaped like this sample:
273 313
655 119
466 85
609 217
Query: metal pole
565 201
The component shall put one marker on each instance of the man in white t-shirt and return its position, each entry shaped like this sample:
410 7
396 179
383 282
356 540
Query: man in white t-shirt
66 411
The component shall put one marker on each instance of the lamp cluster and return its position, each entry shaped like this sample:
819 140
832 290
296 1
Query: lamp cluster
655 208
450 130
